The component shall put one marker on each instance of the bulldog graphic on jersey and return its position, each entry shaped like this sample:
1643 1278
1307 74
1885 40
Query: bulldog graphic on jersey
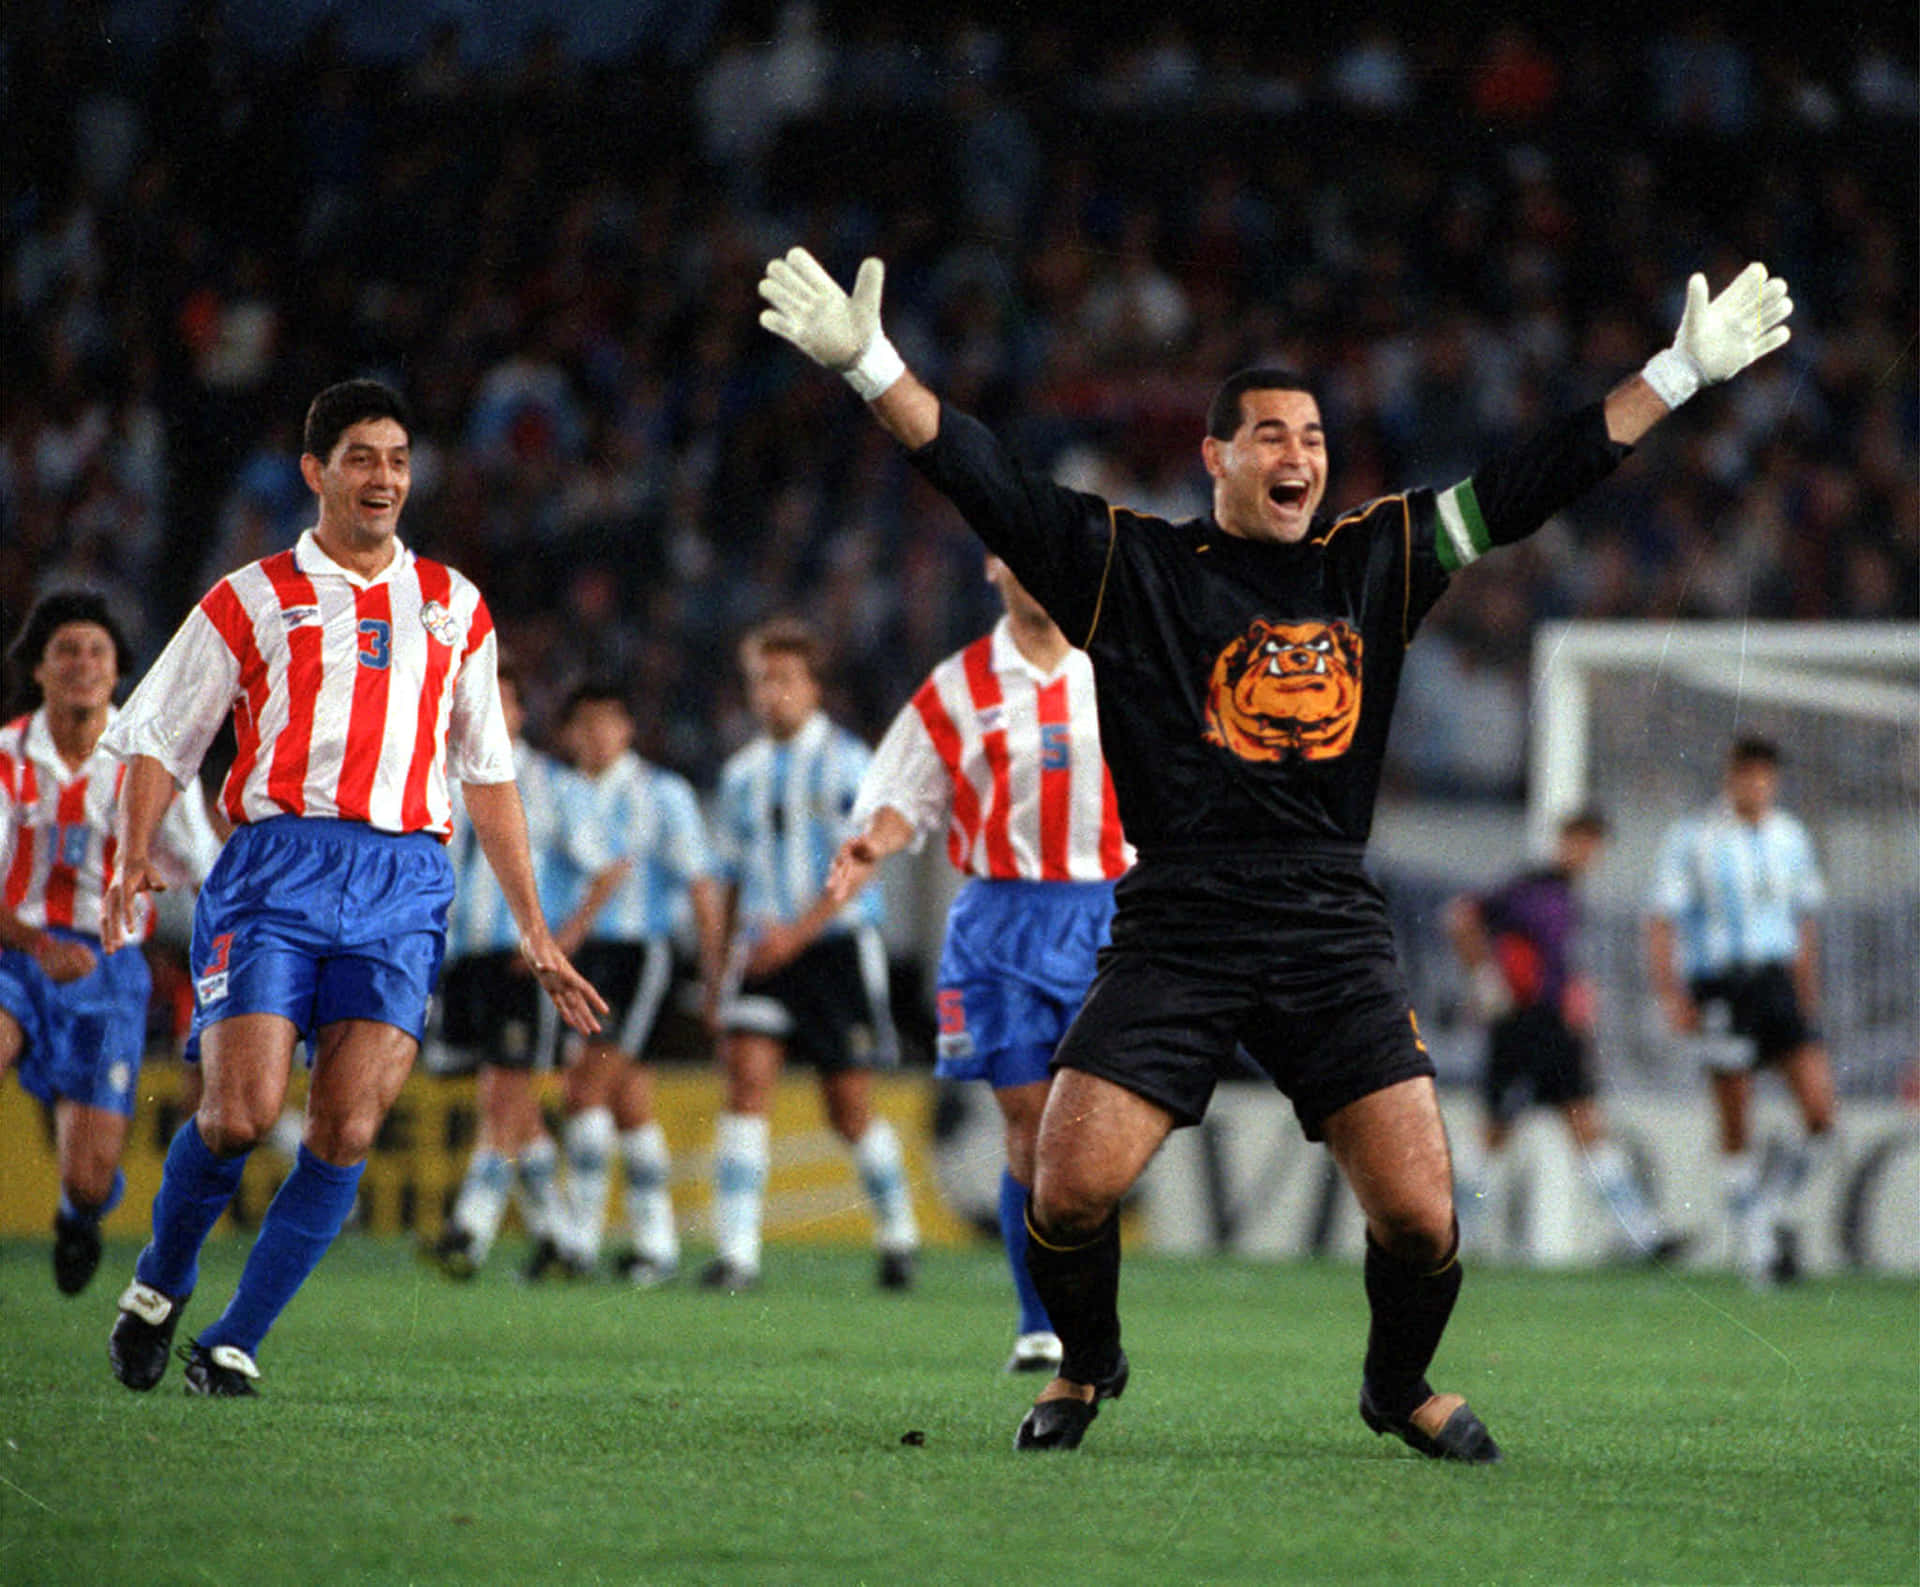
1284 689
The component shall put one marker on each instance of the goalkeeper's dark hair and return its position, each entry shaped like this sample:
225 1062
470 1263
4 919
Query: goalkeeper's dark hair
1223 413
1750 749
52 611
337 409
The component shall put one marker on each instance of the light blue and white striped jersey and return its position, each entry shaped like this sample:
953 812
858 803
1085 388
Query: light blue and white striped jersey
479 921
1736 893
781 814
638 812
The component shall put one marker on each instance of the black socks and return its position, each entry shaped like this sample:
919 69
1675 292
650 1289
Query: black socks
1410 1308
1080 1286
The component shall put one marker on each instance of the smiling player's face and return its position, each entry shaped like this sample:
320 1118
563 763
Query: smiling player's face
1269 477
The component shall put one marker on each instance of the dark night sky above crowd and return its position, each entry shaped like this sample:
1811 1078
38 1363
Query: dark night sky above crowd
1458 231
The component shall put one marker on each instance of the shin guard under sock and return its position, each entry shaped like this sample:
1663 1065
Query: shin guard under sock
1079 1285
1410 1306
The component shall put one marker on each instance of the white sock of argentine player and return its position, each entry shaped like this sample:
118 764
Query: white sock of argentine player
590 1140
1612 1173
649 1165
883 1171
1801 1169
739 1188
537 1188
482 1201
1750 1235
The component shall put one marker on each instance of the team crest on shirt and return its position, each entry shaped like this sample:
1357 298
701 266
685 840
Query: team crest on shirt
440 623
990 719
1285 689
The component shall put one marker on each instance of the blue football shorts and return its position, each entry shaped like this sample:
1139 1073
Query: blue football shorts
320 921
84 1038
1016 964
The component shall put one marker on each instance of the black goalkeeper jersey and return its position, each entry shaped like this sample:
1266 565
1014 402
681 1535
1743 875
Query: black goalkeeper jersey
1246 687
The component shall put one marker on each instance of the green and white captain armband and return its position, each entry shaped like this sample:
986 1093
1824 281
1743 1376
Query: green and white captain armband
877 368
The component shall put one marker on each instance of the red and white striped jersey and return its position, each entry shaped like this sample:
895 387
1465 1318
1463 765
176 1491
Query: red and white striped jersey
1008 758
57 832
351 698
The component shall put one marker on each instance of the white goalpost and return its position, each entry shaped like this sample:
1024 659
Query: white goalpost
1636 717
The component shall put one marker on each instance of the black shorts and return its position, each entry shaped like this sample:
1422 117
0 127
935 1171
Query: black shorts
633 977
1759 1007
828 1007
1534 1058
491 1007
1289 957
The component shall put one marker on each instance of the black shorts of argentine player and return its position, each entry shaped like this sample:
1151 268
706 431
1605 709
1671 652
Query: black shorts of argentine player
1246 665
828 1006
491 1009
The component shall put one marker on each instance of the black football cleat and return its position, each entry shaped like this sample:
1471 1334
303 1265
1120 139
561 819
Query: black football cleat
1785 1267
731 1277
452 1253
142 1336
225 1372
895 1270
1062 1423
1463 1437
549 1261
76 1252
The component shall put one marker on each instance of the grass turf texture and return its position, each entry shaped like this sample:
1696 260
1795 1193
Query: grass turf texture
411 1430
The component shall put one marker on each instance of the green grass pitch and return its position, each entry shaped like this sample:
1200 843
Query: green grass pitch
1658 1429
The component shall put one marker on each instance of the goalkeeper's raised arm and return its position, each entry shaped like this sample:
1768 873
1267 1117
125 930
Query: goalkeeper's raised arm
1718 337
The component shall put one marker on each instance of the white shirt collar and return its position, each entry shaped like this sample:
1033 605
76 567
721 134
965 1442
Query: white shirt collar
310 559
40 746
1008 657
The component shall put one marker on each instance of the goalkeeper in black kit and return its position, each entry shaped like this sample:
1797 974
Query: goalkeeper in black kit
1246 666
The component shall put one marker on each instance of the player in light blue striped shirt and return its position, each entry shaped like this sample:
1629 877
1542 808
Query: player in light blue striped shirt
491 1006
804 978
631 860
1733 954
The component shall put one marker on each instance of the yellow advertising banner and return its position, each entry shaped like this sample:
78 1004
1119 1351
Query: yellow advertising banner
813 1192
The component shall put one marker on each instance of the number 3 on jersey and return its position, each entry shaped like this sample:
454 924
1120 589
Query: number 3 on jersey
376 643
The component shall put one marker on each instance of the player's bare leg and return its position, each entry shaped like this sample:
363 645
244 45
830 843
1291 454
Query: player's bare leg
1392 1148
88 1143
1095 1140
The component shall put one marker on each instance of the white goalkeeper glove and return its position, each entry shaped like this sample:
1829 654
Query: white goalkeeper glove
841 333
1719 338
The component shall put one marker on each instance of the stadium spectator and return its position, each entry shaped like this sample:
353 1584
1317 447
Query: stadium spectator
1733 952
360 677
1001 747
1247 778
805 977
1519 945
73 1016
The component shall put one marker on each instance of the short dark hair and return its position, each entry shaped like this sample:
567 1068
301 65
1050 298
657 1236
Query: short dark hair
351 402
1585 822
593 691
53 611
1223 413
1751 749
784 636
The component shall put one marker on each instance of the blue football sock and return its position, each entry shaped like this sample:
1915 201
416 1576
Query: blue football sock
300 1224
195 1187
1013 1234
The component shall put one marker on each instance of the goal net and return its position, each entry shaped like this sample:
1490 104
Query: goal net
1636 718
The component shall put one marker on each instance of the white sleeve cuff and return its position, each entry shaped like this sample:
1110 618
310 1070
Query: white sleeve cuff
1673 376
876 369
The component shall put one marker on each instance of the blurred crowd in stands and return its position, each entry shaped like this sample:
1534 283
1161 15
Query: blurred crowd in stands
1457 231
